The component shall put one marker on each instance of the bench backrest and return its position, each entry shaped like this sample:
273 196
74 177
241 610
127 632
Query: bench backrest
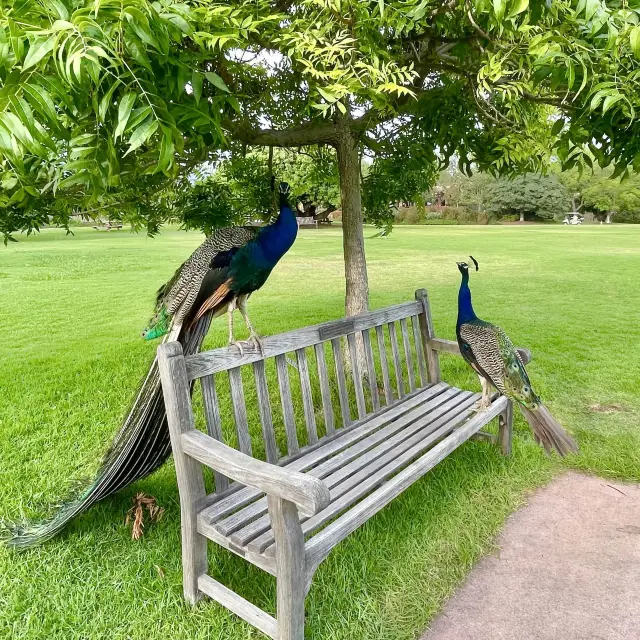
315 391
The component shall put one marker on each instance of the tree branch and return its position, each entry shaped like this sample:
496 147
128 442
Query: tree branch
301 136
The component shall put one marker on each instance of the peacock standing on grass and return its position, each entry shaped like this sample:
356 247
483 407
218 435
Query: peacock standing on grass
219 276
491 354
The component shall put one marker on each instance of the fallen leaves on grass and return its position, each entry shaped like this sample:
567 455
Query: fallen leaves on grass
135 515
596 407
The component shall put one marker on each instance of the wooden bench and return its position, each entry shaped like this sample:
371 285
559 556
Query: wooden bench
306 222
336 447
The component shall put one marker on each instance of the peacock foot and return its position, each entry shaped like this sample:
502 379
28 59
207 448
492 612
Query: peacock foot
238 344
482 405
257 342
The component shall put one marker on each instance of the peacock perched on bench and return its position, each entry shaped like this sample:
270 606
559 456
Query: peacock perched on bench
491 354
219 276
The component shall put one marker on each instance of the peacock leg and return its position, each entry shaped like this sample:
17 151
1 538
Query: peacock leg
231 307
254 337
485 402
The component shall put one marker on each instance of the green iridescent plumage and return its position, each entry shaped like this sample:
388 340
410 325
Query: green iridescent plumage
158 325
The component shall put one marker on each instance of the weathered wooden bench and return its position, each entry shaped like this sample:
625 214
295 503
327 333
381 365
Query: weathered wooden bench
306 222
285 513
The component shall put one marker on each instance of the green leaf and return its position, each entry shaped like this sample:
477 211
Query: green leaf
166 150
63 13
42 102
634 38
197 79
141 135
329 97
557 127
518 6
38 50
499 7
381 7
592 7
107 101
610 101
124 110
217 81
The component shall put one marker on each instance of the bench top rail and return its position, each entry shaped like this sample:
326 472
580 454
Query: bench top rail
225 358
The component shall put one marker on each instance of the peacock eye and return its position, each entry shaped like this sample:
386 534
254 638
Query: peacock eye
526 389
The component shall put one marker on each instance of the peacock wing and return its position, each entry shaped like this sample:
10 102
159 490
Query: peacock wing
177 297
484 349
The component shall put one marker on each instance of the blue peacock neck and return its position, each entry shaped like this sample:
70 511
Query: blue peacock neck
465 308
276 239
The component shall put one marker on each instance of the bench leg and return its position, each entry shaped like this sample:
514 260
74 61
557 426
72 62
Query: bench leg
505 430
290 556
194 564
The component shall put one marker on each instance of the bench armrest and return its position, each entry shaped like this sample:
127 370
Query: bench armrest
309 494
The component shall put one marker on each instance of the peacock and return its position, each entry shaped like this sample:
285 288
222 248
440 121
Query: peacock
219 276
491 354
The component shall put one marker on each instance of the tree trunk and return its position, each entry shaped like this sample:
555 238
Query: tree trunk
522 217
608 220
355 263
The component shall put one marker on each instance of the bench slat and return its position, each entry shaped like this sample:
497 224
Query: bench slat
240 410
307 396
393 338
342 382
378 465
266 416
384 365
321 544
287 404
356 375
214 422
427 334
244 496
325 389
216 360
407 354
371 370
415 323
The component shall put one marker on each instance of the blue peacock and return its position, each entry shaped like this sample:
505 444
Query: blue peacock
222 273
491 354
219 276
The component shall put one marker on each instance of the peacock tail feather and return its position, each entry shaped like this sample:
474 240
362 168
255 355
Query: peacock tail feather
159 324
140 447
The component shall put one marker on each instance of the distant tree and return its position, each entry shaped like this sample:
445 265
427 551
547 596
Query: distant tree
607 197
468 191
529 195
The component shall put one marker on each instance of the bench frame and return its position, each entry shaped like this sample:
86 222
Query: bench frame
289 492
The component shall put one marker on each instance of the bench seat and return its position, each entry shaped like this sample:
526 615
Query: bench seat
362 462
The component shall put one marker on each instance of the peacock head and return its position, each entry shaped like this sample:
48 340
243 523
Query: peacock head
464 267
284 189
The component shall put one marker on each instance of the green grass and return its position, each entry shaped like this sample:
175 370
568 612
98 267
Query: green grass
71 357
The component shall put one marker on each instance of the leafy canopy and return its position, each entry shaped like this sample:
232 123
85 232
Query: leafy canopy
98 96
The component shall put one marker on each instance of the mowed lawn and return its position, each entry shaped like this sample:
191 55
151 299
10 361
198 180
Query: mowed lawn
71 312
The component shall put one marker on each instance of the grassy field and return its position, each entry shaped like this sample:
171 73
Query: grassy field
71 357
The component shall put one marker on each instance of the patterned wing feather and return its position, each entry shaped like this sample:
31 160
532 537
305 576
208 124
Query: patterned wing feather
499 361
177 296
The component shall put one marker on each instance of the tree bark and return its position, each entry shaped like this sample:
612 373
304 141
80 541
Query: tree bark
608 220
355 263
522 217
